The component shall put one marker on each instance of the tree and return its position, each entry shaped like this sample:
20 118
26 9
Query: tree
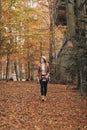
18 28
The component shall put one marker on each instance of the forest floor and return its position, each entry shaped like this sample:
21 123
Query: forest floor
21 107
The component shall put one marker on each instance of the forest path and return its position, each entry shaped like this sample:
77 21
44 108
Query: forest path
21 107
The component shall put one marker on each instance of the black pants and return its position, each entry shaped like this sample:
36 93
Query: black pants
43 89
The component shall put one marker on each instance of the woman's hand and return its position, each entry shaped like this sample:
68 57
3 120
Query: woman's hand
37 79
47 76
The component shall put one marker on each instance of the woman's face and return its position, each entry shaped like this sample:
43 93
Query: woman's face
42 60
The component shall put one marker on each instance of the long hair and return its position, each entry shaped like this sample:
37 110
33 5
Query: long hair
43 59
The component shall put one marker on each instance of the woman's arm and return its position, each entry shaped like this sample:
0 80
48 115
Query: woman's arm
48 71
39 72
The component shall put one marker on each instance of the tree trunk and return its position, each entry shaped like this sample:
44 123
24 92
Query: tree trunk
7 66
0 69
86 47
16 72
20 71
86 79
70 17
79 76
81 26
40 48
0 23
28 70
51 40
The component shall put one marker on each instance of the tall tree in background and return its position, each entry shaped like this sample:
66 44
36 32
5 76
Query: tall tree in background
70 17
51 39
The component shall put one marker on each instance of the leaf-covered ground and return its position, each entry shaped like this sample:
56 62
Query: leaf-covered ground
21 107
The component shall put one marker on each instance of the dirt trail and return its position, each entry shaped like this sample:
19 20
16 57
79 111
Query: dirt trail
21 108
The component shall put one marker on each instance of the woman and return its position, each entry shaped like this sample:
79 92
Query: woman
43 75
